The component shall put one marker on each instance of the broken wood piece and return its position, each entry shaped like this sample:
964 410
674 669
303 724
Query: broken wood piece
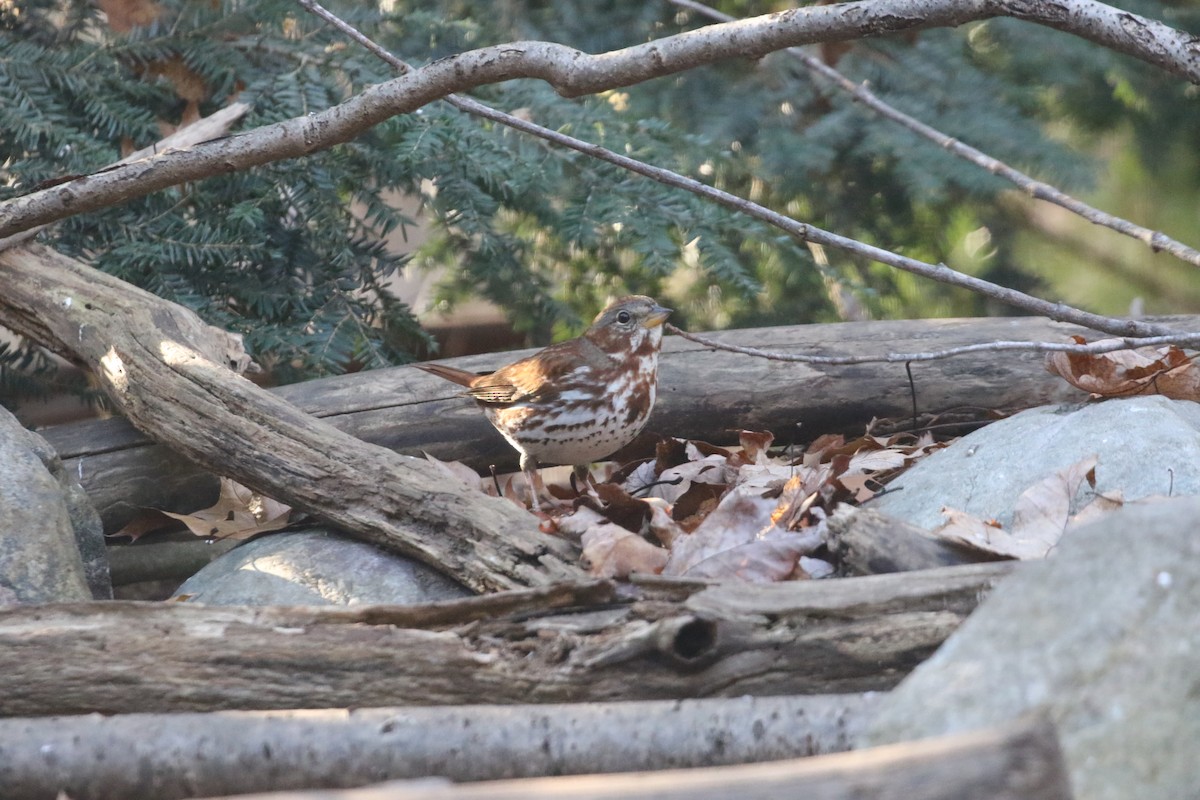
1018 761
171 756
169 372
806 637
869 543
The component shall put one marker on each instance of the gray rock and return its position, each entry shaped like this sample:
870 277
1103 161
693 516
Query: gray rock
85 521
1147 446
1103 636
40 561
315 568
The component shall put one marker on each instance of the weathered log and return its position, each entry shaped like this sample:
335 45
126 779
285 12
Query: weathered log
869 543
170 756
1018 761
668 640
168 372
704 394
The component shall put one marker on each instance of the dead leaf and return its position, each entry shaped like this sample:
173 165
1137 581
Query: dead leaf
610 551
239 513
761 561
146 521
1044 509
740 539
1040 517
1168 371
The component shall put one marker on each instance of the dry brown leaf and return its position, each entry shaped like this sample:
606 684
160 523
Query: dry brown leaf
760 561
146 521
239 513
738 519
610 551
662 526
739 539
1168 371
754 447
1040 517
1098 506
1044 509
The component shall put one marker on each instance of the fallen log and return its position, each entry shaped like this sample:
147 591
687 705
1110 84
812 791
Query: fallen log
704 394
169 372
667 639
172 756
1019 761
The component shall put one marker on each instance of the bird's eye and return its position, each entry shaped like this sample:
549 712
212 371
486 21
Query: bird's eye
623 317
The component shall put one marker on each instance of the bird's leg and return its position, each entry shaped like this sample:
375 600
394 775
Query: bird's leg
529 466
580 478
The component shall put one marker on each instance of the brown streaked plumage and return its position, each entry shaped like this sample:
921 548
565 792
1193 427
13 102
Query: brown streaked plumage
576 401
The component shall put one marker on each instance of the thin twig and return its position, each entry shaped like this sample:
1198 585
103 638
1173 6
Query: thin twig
1093 348
1155 240
801 231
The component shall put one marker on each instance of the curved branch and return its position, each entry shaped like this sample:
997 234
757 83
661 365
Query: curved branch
799 230
574 73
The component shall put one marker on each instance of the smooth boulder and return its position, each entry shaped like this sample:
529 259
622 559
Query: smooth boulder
1146 446
315 567
1102 636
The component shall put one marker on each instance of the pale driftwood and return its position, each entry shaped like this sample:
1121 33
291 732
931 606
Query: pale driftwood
170 756
703 394
812 637
168 372
1018 761
869 543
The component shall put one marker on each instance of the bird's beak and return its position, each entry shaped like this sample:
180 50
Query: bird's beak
658 315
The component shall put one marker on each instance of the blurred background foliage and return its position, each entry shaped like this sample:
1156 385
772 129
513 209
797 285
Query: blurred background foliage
295 255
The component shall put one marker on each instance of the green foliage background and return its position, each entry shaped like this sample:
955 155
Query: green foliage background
291 255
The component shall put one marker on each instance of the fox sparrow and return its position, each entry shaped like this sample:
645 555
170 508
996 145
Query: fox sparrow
577 401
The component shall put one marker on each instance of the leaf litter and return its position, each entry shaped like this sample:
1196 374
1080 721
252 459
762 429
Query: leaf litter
702 511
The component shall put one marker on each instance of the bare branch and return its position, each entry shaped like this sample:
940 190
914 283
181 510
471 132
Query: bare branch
799 230
214 125
1156 240
1092 348
574 73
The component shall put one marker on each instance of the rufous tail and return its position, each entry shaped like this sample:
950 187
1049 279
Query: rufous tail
459 376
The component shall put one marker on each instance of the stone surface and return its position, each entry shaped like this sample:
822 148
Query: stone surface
85 521
1147 446
1103 636
40 561
315 568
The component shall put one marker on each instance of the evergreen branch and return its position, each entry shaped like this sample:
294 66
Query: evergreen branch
573 73
204 129
1092 348
1155 240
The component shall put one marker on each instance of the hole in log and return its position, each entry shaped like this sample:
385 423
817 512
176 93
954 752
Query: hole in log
689 641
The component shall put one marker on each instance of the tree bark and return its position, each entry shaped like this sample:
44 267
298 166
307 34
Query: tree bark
1018 761
812 637
703 394
168 372
171 756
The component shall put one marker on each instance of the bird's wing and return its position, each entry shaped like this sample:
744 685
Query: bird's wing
539 377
